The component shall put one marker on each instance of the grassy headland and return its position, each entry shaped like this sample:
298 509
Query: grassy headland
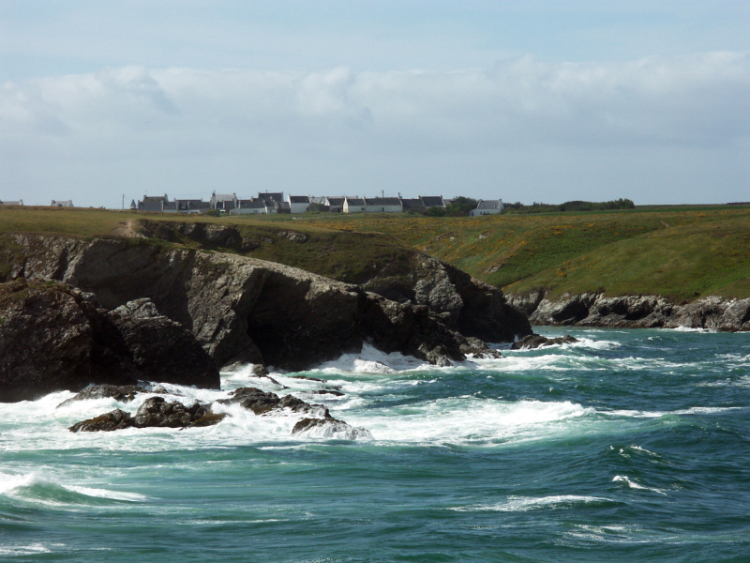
682 253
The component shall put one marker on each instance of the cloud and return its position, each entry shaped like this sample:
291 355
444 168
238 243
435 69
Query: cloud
365 121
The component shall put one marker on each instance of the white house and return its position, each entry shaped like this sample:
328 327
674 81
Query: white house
250 207
353 205
56 203
383 205
487 207
298 203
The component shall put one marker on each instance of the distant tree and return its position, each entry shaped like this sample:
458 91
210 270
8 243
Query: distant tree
436 211
461 206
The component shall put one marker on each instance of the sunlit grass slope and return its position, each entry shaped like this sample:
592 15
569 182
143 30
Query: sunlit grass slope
681 253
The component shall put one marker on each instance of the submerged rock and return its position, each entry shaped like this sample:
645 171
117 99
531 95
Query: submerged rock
329 427
120 393
538 341
114 420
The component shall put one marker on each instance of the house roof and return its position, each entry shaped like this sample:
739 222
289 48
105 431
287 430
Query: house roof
224 197
432 201
413 205
155 198
490 204
188 204
252 204
383 201
272 196
170 206
355 201
335 201
299 199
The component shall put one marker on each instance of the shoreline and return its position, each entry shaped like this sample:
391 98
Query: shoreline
597 310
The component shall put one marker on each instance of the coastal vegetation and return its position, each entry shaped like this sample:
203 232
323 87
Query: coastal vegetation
682 253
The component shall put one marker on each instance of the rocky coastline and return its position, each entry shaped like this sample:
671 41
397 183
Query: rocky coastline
634 311
119 311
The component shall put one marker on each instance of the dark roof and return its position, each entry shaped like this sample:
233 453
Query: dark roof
225 204
432 201
335 201
252 204
383 201
154 198
192 204
299 199
355 201
170 206
413 205
272 196
490 204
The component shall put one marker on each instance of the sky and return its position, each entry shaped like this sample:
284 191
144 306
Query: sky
530 101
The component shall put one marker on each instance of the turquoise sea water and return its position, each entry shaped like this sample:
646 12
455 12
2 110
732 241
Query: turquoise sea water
629 446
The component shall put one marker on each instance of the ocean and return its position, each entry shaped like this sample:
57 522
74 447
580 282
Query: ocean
630 445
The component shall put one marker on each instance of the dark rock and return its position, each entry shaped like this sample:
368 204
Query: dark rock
114 420
245 310
51 341
537 341
327 392
329 427
309 378
154 412
261 402
162 349
120 393
637 311
157 412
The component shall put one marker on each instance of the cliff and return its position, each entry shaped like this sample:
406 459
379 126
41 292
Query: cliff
635 311
241 309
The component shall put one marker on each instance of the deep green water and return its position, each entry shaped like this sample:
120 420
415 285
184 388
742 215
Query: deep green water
631 446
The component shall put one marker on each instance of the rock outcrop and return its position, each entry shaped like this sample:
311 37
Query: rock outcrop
537 341
54 338
467 305
645 311
246 310
155 412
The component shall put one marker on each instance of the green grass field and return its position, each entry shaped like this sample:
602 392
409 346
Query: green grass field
678 252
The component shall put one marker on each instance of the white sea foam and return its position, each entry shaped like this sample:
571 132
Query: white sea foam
691 329
524 504
10 482
104 493
371 361
17 550
634 485
469 419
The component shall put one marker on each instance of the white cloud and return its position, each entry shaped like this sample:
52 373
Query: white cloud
334 129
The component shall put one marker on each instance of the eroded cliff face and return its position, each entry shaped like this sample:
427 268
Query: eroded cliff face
55 338
635 311
251 311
